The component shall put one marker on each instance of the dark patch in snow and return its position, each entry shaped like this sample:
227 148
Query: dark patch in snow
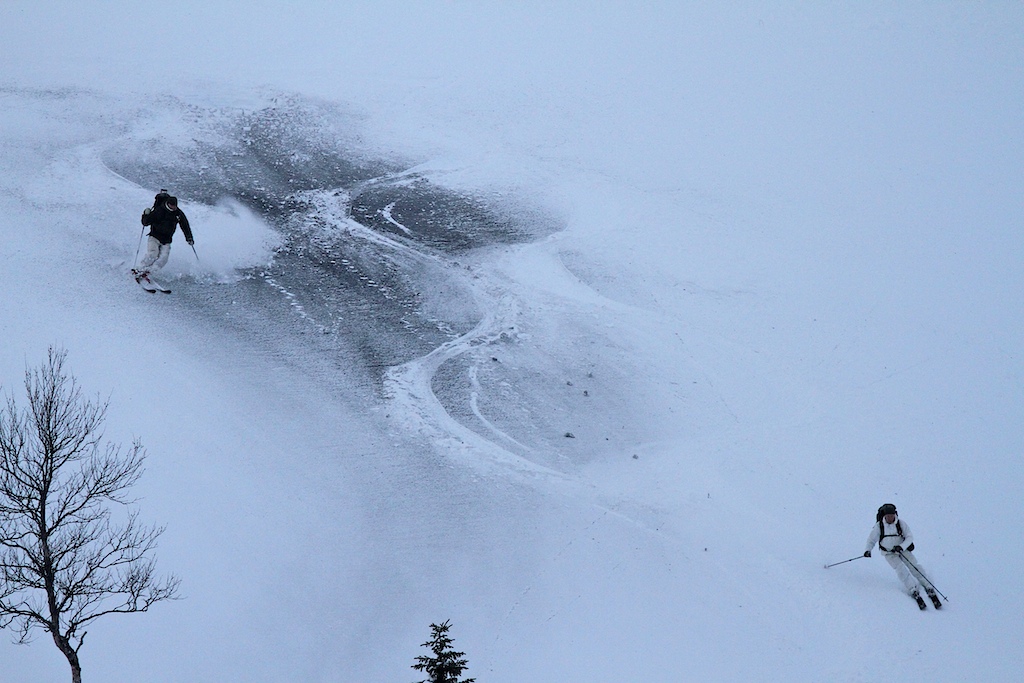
389 293
442 219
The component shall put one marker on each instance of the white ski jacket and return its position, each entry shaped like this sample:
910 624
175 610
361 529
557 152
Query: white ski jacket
888 536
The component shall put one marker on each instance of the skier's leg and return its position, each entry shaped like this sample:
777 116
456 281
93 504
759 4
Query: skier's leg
898 566
151 255
919 573
161 260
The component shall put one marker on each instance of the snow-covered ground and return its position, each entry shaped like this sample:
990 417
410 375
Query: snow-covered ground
762 263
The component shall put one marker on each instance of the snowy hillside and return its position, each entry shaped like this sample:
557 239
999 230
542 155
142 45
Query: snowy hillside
595 331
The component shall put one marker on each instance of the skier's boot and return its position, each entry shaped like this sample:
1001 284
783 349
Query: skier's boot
920 601
934 597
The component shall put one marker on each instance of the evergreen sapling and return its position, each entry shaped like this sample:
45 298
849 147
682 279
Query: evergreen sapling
446 665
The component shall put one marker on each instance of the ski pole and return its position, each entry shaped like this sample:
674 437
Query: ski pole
139 248
194 250
844 561
914 568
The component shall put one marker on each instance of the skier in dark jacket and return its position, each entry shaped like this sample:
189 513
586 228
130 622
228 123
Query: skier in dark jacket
163 219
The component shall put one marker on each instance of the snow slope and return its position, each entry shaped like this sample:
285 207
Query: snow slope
763 266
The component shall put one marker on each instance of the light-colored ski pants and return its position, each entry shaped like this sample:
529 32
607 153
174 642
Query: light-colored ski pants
909 578
156 255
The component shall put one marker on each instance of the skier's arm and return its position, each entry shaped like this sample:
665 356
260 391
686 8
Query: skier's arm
185 228
908 535
872 538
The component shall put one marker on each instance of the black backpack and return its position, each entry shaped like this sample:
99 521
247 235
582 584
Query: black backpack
160 198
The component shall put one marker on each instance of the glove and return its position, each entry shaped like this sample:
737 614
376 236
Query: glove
910 548
867 553
148 210
190 242
897 549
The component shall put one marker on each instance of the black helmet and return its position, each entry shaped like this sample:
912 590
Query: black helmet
887 509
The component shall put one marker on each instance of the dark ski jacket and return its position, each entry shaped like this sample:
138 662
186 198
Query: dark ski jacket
163 221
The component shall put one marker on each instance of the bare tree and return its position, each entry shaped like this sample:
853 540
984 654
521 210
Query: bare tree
64 562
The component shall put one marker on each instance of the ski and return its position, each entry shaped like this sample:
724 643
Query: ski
148 284
920 601
935 600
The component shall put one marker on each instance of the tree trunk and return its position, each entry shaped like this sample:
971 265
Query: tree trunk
65 646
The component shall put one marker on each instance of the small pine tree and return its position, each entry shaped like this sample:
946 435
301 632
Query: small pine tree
446 665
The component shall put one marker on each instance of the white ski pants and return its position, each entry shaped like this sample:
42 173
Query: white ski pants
909 578
156 255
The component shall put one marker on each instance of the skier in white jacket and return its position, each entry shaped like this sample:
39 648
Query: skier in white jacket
896 541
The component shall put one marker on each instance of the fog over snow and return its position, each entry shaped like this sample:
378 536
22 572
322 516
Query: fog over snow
595 328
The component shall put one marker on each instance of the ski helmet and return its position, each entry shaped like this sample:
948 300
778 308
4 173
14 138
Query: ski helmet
887 509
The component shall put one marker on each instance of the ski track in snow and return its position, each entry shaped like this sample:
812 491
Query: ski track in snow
386 213
298 308
409 387
474 395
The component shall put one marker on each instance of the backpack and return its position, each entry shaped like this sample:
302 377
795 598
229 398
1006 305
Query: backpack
160 198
